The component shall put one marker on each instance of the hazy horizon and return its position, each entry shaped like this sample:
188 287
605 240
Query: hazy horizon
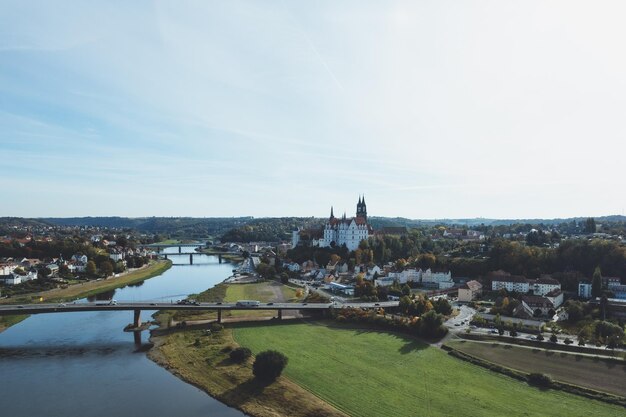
432 109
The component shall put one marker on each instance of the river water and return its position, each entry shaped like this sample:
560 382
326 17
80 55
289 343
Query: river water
83 364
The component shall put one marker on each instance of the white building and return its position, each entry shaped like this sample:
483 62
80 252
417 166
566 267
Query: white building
545 285
511 283
584 289
440 280
342 231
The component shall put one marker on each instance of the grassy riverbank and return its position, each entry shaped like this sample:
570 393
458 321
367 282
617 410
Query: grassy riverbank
206 365
83 290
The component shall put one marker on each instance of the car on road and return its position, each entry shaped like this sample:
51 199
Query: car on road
20 306
270 304
493 331
152 304
377 304
219 303
62 305
457 324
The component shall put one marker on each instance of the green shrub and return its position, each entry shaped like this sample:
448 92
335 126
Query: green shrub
216 327
240 354
268 365
539 379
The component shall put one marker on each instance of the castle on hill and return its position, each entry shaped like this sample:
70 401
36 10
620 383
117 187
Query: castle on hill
339 231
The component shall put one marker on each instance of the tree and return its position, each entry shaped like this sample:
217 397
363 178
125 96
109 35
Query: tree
513 333
540 337
90 269
405 303
406 290
106 268
568 341
268 365
590 225
596 283
553 338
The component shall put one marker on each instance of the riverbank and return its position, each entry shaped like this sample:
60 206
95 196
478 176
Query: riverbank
83 290
203 361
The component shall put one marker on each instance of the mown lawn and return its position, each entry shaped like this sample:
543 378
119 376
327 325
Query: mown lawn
572 368
366 373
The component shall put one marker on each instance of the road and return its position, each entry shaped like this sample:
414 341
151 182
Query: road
97 306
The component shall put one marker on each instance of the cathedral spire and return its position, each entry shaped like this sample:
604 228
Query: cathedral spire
332 215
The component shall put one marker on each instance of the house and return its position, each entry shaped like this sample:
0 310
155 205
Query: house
439 280
470 291
556 297
54 270
116 255
511 283
619 291
292 266
611 281
544 285
535 306
584 289
80 258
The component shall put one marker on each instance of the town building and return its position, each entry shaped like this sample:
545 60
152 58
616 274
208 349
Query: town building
439 280
584 289
470 291
536 306
511 283
545 285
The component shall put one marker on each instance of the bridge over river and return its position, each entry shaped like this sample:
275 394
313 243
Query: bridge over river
137 307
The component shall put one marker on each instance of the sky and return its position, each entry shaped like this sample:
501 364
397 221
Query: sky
431 109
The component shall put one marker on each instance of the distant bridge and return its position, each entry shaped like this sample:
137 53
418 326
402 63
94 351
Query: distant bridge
137 307
191 255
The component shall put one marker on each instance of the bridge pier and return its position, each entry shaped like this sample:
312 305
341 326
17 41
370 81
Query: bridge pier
219 315
137 337
219 256
137 318
180 250
165 255
191 259
280 314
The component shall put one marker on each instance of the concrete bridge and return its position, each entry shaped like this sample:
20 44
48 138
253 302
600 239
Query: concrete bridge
137 307
192 254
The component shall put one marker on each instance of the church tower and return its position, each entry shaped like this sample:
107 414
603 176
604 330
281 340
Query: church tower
361 208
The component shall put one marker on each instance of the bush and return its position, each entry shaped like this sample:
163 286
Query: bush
268 365
568 341
553 338
216 327
227 349
240 354
540 337
539 379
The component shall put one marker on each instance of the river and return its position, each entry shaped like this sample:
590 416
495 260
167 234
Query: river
83 364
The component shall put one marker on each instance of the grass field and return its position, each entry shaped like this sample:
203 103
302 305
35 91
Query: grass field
572 368
206 364
366 373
